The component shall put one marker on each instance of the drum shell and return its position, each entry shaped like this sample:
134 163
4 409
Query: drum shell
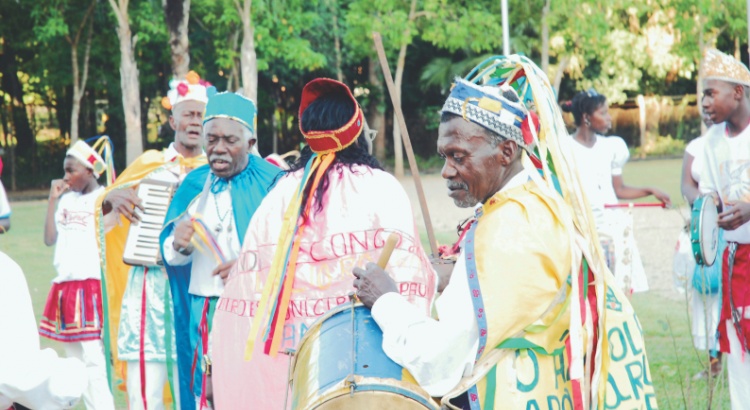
327 362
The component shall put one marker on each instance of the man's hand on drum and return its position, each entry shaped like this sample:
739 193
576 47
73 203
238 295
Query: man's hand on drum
224 269
372 283
183 234
735 216
124 202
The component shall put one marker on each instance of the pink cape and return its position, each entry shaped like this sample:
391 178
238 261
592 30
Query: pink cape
361 208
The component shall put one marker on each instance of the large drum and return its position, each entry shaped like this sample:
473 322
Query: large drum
340 364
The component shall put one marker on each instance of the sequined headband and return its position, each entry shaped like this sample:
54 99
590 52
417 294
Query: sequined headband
486 106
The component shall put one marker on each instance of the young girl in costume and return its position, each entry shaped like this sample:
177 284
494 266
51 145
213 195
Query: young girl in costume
73 313
600 161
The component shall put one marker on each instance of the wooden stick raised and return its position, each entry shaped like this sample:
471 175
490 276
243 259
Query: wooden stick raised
385 255
407 141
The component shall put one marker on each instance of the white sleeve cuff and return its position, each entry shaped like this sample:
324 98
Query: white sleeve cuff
394 314
173 257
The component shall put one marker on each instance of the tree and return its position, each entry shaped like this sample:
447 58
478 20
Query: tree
177 13
459 25
15 39
396 21
129 81
248 57
63 19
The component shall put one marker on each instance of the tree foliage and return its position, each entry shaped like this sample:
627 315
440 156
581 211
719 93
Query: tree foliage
620 47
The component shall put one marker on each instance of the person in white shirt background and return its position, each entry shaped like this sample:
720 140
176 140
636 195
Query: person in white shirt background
600 161
73 312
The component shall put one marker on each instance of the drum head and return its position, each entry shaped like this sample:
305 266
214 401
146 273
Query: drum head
709 231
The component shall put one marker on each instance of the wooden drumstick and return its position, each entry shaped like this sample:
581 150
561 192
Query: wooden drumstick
390 244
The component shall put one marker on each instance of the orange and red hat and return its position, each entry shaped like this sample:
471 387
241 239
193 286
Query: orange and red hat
325 142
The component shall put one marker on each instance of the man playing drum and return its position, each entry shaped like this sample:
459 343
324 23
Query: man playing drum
331 211
726 176
521 322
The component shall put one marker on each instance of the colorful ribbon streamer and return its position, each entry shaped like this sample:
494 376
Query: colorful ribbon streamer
205 241
280 281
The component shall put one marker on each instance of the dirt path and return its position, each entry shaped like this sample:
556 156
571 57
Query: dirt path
656 229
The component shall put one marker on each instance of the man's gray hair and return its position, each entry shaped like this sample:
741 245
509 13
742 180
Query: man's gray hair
248 135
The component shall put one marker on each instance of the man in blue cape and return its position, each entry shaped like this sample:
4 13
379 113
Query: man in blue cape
204 230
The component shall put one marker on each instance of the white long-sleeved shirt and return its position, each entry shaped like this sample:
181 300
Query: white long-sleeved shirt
218 212
725 170
436 352
35 378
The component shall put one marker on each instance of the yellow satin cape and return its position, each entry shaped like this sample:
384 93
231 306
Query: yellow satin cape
111 247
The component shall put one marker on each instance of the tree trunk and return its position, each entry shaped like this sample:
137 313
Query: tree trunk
737 49
699 85
9 144
177 13
248 58
642 124
377 105
11 85
131 95
559 73
234 73
545 37
79 82
336 39
398 149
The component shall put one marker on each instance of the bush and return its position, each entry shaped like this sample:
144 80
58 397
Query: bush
663 146
36 172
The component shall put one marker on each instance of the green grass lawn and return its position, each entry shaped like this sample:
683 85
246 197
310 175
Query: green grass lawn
664 320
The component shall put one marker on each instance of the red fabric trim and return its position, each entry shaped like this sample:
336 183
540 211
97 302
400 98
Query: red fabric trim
203 329
91 159
740 293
